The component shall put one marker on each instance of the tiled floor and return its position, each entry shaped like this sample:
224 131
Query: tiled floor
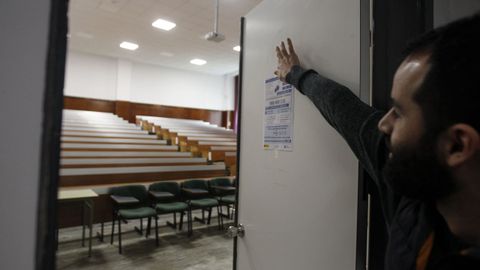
207 248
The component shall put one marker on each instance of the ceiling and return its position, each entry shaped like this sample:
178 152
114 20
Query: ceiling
99 26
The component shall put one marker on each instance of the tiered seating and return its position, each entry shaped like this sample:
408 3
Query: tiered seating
199 137
101 148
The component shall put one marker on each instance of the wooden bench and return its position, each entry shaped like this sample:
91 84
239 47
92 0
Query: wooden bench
123 154
108 130
73 139
108 135
101 125
230 158
201 146
173 134
129 162
98 176
116 147
216 153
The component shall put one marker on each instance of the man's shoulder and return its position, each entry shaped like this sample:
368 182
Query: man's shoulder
412 215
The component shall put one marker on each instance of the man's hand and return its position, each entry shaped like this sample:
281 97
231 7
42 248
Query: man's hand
286 60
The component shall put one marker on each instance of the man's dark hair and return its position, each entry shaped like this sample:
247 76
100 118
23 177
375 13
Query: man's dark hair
450 92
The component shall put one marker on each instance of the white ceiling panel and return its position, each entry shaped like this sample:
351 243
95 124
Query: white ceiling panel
99 26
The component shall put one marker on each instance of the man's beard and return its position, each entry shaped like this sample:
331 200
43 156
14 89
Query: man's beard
416 172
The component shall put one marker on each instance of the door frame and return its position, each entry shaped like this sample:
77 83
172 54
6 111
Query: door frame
395 24
51 132
238 117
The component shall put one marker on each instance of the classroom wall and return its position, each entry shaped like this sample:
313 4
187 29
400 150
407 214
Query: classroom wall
23 54
166 86
101 77
92 76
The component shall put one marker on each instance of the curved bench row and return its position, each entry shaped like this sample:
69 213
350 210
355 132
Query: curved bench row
102 176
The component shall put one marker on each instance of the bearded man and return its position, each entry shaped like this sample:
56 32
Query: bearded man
424 153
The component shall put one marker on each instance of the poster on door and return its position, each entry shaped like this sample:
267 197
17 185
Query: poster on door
278 116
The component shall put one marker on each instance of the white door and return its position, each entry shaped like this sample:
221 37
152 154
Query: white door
298 208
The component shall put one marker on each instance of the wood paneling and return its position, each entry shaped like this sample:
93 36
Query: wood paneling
70 213
107 179
214 117
128 110
124 110
232 119
225 118
230 160
88 104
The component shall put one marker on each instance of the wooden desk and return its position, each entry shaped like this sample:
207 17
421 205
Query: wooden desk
86 196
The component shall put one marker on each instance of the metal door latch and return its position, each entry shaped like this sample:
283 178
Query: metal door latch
233 231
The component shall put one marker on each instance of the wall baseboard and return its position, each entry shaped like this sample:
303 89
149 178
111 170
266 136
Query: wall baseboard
128 110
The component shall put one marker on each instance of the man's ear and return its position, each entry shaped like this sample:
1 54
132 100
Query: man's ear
458 144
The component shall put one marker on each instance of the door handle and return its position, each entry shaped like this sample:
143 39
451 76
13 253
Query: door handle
234 231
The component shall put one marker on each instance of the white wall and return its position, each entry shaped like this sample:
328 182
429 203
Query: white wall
166 86
22 81
90 76
229 93
101 77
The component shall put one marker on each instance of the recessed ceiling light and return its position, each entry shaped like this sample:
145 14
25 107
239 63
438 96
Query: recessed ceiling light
163 24
129 46
198 62
237 48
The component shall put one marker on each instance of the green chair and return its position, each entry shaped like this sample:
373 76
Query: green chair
131 202
224 192
197 196
167 198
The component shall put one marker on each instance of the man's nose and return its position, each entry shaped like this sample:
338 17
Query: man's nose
385 124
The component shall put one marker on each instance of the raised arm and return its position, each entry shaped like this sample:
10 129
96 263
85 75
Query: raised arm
344 111
354 120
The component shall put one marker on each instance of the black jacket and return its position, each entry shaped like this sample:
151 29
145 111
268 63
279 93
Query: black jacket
409 221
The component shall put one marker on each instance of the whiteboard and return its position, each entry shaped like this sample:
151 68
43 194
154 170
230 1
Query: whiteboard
299 208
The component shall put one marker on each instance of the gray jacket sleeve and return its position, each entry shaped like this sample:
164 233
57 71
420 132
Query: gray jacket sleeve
354 120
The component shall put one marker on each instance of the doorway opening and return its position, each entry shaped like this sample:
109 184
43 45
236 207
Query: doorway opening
107 135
